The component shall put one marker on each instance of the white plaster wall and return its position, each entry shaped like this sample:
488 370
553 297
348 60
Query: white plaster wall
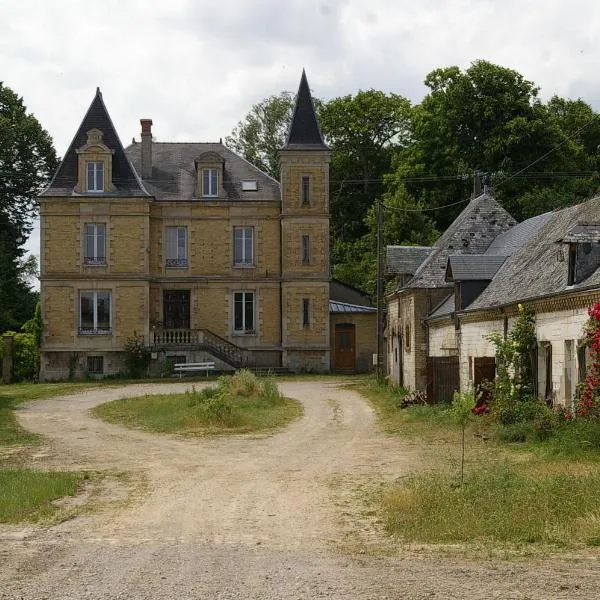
443 340
556 328
473 343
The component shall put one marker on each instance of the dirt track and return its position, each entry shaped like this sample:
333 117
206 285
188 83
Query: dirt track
245 517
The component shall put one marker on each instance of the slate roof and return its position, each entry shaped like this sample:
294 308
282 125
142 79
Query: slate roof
405 260
345 307
583 233
304 132
342 292
174 172
472 232
540 267
509 241
125 179
444 308
473 267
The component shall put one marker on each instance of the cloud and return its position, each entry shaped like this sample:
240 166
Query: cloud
196 67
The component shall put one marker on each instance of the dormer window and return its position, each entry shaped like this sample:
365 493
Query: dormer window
94 165
584 251
209 182
95 176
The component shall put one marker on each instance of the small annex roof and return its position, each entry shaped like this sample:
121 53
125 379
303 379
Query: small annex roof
174 175
345 307
444 308
405 260
124 177
304 132
472 232
473 267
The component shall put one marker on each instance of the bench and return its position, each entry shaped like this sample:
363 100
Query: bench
182 368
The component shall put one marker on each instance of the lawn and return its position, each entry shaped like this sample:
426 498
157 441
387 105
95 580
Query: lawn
25 494
230 407
540 493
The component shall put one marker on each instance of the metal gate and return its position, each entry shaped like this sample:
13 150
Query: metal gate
442 378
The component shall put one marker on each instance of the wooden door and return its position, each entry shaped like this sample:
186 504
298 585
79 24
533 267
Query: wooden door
345 347
176 309
442 378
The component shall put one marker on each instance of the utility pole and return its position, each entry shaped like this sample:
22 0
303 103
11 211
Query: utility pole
380 253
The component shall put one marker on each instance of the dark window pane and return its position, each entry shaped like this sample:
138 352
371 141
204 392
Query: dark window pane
87 310
305 190
103 310
249 316
238 321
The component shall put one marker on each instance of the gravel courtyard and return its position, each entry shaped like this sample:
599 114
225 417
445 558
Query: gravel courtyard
264 516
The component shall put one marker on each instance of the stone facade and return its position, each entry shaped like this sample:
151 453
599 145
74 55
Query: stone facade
270 309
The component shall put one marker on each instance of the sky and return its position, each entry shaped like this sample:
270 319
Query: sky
195 67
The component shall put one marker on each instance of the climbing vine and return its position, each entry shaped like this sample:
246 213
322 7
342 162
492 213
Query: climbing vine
514 361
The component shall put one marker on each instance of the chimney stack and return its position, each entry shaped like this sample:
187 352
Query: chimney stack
146 148
477 184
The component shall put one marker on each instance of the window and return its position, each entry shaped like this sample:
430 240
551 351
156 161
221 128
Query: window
249 185
243 312
209 182
95 365
306 249
243 238
176 252
305 312
94 252
94 313
305 190
407 337
95 177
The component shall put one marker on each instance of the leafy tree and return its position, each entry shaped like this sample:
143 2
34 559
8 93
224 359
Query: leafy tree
27 160
261 134
490 119
363 131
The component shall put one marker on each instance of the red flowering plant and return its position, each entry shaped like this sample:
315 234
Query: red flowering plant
588 402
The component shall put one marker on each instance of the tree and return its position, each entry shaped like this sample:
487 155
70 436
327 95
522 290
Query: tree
363 132
262 132
490 119
27 161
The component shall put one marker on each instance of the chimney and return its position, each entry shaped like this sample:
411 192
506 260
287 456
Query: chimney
146 148
477 187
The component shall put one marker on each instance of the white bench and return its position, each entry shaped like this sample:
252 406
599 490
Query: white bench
182 368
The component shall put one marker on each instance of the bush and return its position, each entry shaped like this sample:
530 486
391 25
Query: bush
213 402
521 411
244 383
137 356
26 356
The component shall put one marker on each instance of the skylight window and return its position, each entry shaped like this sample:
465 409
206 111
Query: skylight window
249 185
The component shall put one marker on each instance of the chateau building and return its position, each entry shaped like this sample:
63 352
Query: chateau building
190 247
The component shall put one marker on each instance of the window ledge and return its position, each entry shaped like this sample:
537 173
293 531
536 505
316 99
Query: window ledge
90 262
251 333
244 266
86 331
176 263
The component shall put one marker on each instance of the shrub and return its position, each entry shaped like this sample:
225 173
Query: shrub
270 389
519 412
137 356
26 356
244 383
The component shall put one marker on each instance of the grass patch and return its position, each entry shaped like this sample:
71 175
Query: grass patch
421 420
496 505
239 404
27 495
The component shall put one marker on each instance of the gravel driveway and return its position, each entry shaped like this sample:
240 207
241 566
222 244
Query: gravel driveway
269 516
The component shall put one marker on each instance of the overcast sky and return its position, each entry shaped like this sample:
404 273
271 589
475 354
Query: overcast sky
196 66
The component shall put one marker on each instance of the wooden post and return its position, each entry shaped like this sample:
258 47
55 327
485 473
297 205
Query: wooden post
7 359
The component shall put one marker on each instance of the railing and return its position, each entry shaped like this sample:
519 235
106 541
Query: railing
203 338
176 337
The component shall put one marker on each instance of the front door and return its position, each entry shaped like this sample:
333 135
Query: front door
344 346
176 309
